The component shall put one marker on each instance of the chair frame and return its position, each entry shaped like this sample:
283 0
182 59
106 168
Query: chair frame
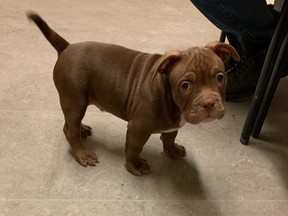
275 63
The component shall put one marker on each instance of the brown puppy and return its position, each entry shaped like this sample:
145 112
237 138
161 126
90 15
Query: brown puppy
153 93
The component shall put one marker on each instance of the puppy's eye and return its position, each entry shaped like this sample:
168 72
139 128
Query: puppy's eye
220 77
186 86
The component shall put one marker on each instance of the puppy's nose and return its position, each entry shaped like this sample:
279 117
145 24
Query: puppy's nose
208 104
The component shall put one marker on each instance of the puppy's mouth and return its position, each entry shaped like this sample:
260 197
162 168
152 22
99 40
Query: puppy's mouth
209 118
206 106
197 114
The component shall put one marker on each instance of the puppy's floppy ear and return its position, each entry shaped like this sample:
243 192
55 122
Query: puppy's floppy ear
166 62
223 50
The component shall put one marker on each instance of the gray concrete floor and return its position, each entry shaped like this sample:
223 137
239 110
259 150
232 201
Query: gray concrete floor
38 176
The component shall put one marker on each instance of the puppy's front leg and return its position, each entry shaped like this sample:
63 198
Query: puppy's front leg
172 149
136 138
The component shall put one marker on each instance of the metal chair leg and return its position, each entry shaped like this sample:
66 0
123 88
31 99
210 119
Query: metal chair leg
222 37
266 72
280 65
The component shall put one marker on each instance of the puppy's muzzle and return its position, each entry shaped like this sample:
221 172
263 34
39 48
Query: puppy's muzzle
205 109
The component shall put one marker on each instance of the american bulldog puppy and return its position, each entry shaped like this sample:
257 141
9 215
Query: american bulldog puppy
154 93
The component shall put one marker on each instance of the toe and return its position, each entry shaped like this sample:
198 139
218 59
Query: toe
130 168
144 169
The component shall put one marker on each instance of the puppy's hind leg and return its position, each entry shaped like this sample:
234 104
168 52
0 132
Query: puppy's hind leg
74 110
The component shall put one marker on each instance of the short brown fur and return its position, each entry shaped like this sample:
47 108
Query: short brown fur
154 93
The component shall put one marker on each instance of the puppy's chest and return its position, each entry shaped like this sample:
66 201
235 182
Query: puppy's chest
181 123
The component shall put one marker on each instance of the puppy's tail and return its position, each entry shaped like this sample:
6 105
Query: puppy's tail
55 40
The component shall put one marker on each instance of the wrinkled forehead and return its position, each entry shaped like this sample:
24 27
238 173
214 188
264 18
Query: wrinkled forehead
201 60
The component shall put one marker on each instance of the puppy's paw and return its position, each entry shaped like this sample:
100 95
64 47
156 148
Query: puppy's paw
85 131
176 151
85 157
138 167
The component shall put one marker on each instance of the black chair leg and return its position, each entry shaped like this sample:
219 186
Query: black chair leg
222 37
264 78
279 68
257 99
259 92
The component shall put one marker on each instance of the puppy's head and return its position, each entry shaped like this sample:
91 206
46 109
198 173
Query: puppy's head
198 80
